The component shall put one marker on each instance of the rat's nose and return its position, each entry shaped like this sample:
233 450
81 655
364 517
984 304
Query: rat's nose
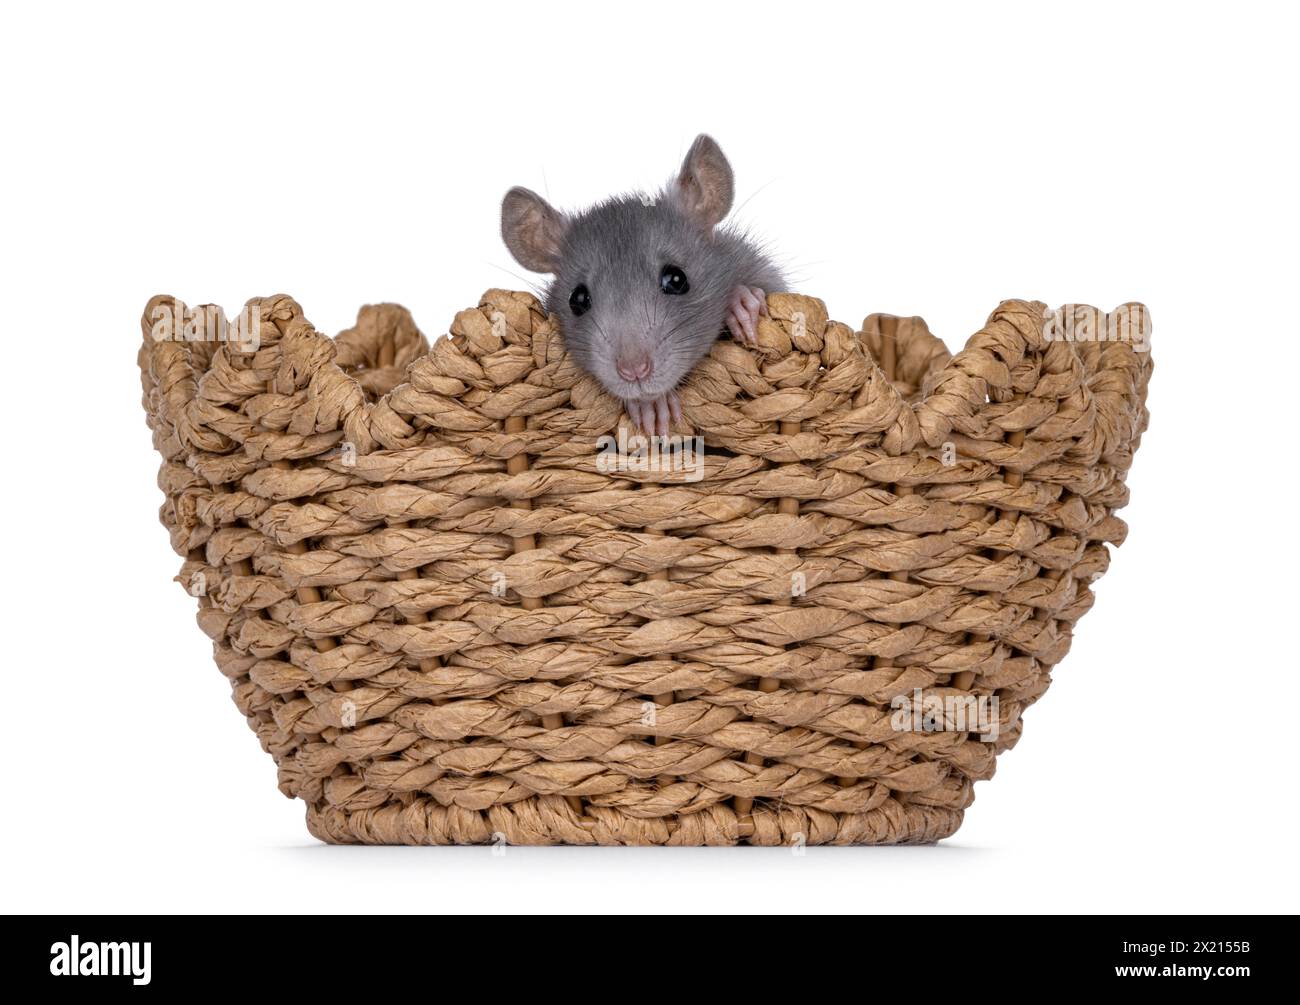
635 367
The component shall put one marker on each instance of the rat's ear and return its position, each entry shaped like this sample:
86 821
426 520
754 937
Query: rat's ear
705 187
532 229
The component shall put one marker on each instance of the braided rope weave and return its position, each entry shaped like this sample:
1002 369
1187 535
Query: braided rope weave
352 507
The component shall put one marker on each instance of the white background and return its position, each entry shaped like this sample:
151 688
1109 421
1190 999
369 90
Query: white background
930 159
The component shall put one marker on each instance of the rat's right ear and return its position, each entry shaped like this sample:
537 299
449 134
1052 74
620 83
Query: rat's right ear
705 186
532 229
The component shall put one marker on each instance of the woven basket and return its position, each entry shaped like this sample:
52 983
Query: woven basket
448 621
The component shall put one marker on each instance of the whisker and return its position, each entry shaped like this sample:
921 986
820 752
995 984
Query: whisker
608 341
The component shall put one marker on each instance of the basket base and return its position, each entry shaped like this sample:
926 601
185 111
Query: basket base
548 820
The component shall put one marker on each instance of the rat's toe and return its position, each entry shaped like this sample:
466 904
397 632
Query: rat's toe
661 415
737 328
745 304
751 297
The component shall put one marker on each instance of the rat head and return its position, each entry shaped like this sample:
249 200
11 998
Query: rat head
641 283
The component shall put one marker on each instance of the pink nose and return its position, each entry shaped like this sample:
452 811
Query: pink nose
635 367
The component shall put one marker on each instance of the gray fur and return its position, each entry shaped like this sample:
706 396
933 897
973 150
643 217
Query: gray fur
618 248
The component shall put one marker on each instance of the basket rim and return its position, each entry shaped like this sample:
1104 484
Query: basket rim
964 382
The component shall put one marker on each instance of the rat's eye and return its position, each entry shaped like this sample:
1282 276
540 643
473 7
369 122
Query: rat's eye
579 300
673 280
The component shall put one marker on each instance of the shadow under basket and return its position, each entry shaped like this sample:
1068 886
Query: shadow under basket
458 601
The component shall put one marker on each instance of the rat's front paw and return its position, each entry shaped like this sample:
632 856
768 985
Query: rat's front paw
743 308
655 415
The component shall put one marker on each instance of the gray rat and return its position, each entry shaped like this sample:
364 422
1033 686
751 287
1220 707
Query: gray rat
644 286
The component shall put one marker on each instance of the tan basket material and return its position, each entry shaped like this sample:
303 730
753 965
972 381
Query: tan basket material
448 624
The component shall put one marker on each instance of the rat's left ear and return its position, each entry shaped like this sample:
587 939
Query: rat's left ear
705 186
533 230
